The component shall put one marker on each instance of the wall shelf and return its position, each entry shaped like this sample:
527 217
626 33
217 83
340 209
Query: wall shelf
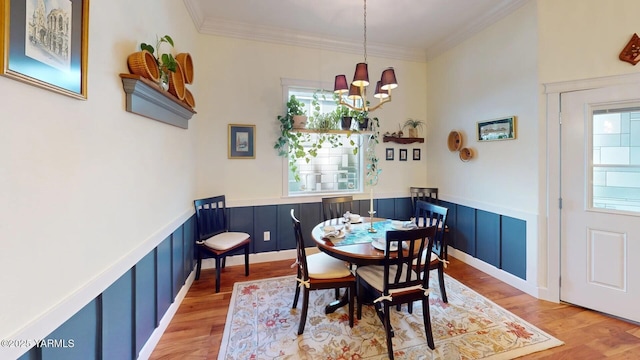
403 140
346 132
144 97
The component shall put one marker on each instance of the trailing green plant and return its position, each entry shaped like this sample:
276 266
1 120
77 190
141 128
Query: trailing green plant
166 61
372 160
298 145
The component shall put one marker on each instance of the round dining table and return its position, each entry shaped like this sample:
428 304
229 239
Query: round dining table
354 243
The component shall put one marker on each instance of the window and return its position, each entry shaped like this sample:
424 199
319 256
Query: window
616 159
334 170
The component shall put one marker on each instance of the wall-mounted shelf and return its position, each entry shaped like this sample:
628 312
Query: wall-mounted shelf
404 140
145 98
346 132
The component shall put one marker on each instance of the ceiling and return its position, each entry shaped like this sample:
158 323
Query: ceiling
402 29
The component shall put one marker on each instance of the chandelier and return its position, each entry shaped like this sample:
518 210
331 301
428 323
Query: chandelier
357 90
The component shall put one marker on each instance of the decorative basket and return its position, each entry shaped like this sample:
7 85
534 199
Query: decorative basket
176 83
188 98
143 63
454 142
466 154
184 59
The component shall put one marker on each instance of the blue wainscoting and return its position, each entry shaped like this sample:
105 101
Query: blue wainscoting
118 322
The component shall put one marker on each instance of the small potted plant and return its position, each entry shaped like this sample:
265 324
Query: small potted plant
296 109
166 62
345 116
413 125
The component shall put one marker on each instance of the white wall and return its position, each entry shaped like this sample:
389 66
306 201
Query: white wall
501 72
492 75
86 187
579 39
245 88
582 39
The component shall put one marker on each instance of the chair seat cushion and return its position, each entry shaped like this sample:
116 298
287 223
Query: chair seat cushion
374 274
323 266
226 240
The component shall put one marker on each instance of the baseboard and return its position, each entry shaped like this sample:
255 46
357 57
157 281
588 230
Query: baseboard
499 274
153 340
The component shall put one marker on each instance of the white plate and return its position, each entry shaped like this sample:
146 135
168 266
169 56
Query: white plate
340 235
381 246
357 222
400 225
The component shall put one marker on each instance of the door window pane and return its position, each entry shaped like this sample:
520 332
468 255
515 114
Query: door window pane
616 159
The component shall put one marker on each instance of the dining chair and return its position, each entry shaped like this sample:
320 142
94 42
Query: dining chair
395 282
429 194
336 207
214 236
319 271
428 214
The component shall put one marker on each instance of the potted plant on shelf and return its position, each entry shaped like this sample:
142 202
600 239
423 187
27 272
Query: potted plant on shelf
166 62
296 109
413 125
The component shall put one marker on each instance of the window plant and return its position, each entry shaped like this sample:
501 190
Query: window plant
303 144
373 170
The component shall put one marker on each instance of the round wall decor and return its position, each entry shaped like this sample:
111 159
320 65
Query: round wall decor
454 141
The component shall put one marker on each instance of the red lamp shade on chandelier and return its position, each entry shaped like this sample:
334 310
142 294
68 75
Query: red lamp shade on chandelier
357 89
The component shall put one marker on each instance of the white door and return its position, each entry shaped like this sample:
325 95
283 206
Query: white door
600 191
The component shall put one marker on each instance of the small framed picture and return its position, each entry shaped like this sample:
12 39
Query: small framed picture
416 154
390 153
497 129
242 141
403 154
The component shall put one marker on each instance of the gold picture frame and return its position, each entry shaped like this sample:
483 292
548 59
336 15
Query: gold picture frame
44 53
497 129
242 141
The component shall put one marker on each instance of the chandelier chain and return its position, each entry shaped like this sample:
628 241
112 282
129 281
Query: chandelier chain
365 31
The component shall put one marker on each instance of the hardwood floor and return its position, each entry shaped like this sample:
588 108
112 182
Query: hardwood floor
196 330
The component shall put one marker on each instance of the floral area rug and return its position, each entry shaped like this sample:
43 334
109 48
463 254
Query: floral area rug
262 325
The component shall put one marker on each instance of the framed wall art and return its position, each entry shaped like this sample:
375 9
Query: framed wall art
403 154
44 43
390 153
497 129
416 154
242 141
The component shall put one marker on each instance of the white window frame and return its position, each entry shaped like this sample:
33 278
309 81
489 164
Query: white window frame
287 85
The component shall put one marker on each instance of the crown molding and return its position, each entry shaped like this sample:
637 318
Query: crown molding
482 22
283 36
226 28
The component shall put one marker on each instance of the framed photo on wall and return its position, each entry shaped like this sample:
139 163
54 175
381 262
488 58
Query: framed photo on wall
403 154
390 154
497 129
242 141
46 46
416 154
